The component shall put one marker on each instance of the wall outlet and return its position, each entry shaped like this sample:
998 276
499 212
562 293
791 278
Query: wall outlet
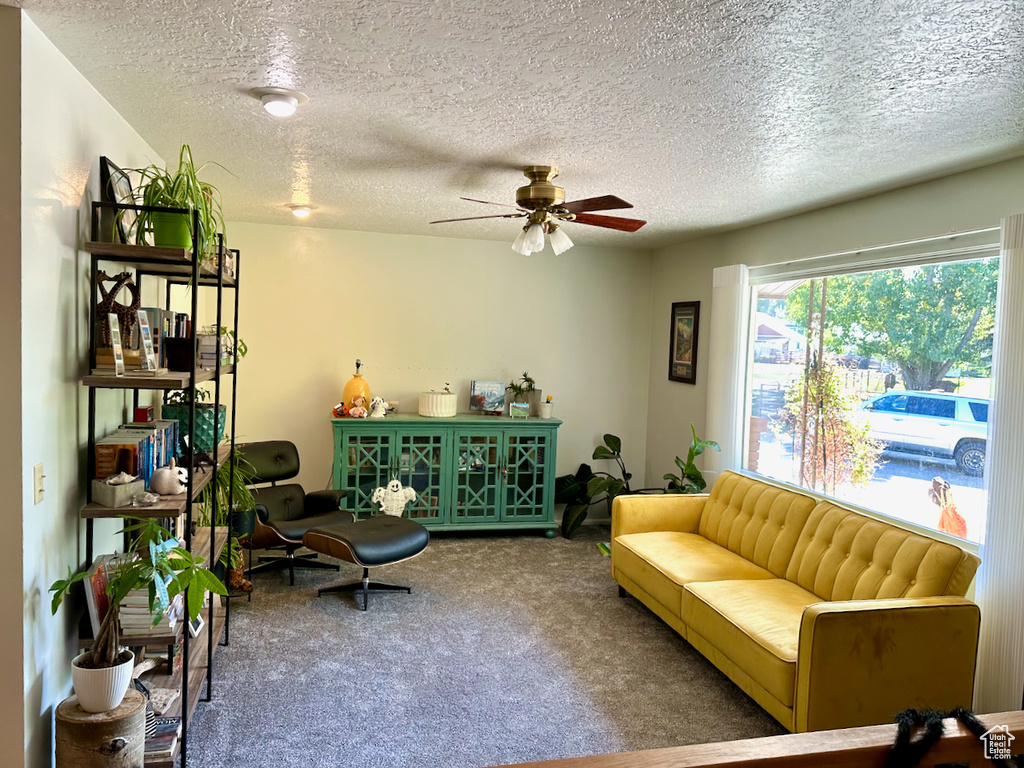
37 483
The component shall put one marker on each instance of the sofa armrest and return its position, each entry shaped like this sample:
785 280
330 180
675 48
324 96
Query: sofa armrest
669 512
860 662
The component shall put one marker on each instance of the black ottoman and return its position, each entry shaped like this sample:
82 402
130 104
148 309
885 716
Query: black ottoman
380 540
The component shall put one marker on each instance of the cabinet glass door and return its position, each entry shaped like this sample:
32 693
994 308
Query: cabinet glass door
365 466
527 459
422 458
478 476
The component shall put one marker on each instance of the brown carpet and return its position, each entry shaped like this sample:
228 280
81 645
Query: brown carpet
510 648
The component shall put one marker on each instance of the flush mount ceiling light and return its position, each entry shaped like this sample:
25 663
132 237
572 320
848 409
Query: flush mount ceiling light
300 211
279 102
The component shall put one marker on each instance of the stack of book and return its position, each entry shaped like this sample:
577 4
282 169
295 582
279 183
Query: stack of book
161 743
132 363
138 448
137 620
210 346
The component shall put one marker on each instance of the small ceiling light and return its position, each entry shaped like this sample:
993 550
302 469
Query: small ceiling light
560 242
279 102
300 211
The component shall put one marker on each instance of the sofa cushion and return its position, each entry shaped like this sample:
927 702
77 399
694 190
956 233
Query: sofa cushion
755 624
757 521
843 555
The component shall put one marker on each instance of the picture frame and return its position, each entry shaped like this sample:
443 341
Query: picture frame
96 598
487 397
196 626
116 187
682 351
519 410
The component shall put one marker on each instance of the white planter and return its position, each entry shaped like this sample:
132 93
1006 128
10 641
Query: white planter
546 410
437 404
99 690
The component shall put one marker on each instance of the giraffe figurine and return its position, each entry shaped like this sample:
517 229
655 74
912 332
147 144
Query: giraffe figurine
126 315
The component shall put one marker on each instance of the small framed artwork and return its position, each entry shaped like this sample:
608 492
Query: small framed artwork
196 626
682 353
487 397
519 410
115 187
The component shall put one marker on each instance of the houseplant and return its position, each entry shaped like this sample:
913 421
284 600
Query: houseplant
690 479
153 562
161 188
581 490
177 407
525 391
233 485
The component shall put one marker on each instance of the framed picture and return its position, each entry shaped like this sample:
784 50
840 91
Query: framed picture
682 353
487 397
96 598
196 626
115 187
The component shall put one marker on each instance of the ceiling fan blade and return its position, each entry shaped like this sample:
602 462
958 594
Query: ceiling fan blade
611 222
471 218
488 202
603 203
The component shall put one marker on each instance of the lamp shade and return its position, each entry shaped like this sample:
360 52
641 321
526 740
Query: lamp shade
535 238
560 242
519 246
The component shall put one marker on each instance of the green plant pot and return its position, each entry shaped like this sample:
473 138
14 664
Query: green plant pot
204 438
170 230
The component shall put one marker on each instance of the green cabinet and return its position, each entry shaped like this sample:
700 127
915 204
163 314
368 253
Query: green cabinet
468 471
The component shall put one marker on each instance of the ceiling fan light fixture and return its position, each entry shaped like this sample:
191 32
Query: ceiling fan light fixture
519 246
535 238
560 242
279 102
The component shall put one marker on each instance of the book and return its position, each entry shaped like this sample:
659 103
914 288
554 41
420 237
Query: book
116 454
96 597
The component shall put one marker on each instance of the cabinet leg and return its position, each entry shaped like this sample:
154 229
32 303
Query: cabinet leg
623 592
549 533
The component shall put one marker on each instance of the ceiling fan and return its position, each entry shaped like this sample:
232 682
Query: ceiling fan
543 205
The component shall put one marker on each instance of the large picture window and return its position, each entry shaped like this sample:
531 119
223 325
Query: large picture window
873 388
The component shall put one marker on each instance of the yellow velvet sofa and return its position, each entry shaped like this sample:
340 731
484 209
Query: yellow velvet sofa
826 617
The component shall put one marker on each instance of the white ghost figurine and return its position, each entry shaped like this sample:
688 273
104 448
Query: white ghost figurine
393 498
378 408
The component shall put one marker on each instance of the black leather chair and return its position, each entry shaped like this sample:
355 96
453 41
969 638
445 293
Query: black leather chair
285 512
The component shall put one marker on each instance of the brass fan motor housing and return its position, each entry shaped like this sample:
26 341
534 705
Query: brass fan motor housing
540 192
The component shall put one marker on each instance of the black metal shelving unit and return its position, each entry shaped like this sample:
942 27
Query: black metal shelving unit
177 267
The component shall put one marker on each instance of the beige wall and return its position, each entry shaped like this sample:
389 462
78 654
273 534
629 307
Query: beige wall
66 127
965 201
422 311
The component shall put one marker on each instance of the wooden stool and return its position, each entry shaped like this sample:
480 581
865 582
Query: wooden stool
112 739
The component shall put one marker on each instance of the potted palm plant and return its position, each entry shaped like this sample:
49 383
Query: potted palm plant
162 188
156 563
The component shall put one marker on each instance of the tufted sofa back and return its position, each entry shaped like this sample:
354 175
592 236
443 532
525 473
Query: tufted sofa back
843 555
759 522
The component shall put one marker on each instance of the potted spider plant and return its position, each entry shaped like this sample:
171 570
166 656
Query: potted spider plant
154 562
181 188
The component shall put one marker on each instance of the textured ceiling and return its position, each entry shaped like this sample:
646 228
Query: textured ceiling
704 115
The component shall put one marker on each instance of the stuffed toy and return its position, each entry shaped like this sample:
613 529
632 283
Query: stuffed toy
378 408
393 498
340 411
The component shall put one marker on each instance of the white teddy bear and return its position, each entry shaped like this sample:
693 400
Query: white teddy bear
393 498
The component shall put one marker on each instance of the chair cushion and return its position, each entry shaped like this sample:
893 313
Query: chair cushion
271 460
755 624
293 530
375 541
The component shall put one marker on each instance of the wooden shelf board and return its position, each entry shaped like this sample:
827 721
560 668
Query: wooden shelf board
170 380
168 506
197 666
156 260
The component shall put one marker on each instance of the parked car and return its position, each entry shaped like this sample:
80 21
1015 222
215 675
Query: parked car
933 424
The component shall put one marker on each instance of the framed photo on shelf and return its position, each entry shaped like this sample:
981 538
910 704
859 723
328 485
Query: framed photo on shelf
487 397
196 626
682 353
116 187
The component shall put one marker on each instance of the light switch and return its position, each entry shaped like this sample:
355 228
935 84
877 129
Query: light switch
37 483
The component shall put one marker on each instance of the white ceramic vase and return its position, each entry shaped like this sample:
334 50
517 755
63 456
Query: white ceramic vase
437 404
99 690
